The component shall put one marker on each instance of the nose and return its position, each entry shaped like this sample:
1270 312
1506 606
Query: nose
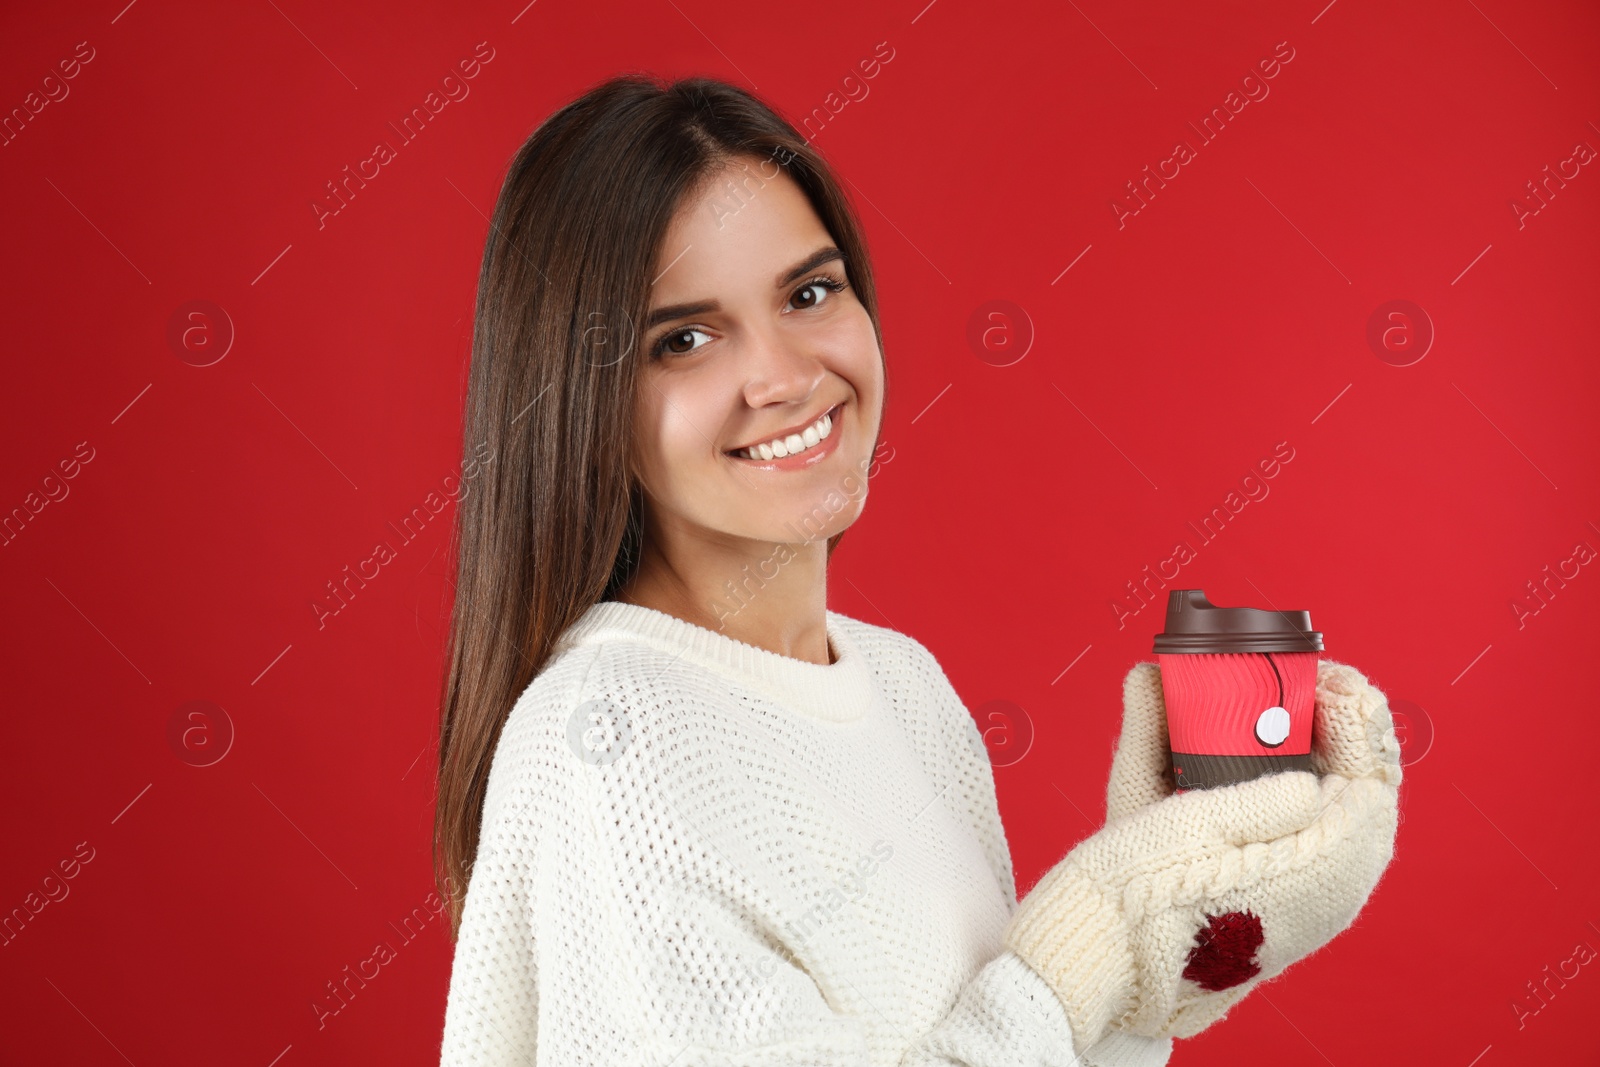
779 370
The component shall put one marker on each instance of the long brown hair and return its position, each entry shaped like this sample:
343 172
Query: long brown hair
552 524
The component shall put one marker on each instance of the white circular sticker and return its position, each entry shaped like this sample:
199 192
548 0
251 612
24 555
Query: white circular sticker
1272 727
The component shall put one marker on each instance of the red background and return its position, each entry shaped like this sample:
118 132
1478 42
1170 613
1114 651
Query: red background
1226 316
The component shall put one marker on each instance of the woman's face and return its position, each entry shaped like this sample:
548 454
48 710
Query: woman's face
754 336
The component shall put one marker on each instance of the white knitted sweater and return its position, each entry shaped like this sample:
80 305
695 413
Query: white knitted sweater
695 851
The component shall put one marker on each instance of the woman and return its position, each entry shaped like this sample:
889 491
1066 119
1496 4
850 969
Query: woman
705 819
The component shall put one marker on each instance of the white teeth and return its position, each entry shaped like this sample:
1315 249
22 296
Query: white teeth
779 447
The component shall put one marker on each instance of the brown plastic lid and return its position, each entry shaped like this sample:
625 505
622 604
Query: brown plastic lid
1194 624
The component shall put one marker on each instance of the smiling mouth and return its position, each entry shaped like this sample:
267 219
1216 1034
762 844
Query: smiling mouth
813 436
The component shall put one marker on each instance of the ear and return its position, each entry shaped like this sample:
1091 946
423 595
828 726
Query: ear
630 467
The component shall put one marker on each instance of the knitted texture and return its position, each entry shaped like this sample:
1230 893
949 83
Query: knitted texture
1224 953
694 851
1182 904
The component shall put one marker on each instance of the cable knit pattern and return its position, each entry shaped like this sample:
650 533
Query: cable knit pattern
697 852
1277 867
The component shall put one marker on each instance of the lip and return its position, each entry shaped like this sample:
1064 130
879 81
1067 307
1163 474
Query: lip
800 428
803 459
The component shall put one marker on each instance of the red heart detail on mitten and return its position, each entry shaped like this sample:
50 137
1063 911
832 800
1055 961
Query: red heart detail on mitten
1225 953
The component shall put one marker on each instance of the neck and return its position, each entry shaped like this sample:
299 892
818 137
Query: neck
766 594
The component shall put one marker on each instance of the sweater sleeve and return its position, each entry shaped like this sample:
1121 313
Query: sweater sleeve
615 917
973 789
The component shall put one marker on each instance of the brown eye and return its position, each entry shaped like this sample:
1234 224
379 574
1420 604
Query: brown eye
814 292
678 342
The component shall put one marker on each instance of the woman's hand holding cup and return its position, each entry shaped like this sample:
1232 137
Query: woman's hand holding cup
1183 903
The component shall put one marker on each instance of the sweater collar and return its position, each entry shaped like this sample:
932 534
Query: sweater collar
838 692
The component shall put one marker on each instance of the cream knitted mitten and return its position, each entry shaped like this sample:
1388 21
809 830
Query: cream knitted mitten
1181 904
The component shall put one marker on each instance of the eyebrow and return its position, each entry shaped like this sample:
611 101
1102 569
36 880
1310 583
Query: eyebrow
701 307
